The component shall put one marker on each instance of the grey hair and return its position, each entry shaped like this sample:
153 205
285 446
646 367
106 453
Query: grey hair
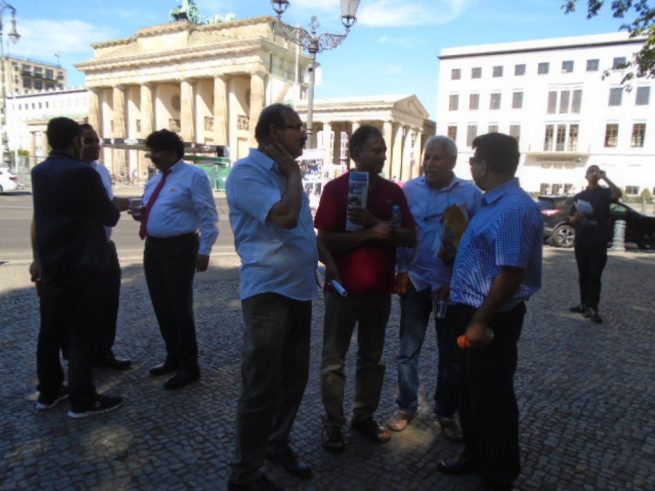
451 147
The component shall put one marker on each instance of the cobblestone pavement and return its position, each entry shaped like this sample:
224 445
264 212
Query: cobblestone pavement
586 395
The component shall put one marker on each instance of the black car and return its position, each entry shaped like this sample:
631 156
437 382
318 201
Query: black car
556 211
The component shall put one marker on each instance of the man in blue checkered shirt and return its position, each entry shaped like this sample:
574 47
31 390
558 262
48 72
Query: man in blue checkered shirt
498 268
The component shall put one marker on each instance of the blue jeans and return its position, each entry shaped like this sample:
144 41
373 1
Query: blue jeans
415 308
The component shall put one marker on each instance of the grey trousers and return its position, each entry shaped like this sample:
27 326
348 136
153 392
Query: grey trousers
274 371
371 313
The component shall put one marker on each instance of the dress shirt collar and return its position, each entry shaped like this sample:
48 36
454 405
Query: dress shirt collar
498 192
451 185
172 168
262 160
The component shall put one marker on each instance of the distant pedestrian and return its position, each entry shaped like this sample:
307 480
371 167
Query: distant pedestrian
591 218
179 226
71 250
274 236
366 261
497 268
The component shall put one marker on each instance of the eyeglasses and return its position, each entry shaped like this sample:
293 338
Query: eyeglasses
296 127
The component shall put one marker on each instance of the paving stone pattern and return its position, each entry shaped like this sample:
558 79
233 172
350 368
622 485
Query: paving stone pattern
586 395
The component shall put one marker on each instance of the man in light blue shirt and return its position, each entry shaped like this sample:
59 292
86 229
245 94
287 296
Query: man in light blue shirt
178 203
274 236
497 268
423 273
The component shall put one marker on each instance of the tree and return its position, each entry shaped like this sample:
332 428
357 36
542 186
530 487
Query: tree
641 25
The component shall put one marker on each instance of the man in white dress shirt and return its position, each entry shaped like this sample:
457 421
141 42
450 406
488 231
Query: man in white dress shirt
179 224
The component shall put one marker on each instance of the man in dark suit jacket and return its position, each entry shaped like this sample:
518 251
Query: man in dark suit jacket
70 209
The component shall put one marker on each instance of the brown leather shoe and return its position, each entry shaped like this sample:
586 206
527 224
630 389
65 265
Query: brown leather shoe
399 420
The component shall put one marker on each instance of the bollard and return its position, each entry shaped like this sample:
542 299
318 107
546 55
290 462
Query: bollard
618 242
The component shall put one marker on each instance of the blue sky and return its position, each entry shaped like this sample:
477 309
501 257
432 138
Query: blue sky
392 49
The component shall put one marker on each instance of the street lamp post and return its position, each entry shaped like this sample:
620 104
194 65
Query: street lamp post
14 37
314 43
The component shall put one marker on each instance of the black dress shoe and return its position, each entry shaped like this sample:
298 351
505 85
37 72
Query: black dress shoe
182 378
165 368
458 466
291 463
110 361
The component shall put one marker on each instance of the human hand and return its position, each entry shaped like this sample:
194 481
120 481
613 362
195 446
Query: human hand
361 216
35 270
380 231
202 262
442 293
122 204
477 334
286 164
402 283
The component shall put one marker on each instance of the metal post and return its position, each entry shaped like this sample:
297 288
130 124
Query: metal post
311 136
6 159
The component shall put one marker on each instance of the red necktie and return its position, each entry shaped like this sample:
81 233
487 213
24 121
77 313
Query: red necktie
143 230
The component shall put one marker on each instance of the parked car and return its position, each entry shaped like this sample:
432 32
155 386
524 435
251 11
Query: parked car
8 181
556 210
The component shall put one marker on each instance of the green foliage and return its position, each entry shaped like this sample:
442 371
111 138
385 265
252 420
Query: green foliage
646 196
640 23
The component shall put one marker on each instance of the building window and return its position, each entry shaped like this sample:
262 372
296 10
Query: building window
494 101
573 138
497 71
638 135
38 84
455 74
592 65
517 100
548 138
453 102
577 101
49 74
552 102
643 96
561 137
474 102
618 63
519 69
567 66
452 133
542 68
616 94
493 128
27 83
515 131
564 101
476 72
611 135
471 133
632 190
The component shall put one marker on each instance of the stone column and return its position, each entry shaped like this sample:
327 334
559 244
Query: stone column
95 118
387 132
407 168
327 144
119 161
147 110
118 108
257 95
397 153
220 111
353 127
186 111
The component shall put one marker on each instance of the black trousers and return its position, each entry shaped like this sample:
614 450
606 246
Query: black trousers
68 315
489 414
170 266
107 305
591 260
274 371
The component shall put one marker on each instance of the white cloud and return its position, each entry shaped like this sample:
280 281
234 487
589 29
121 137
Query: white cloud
407 13
42 38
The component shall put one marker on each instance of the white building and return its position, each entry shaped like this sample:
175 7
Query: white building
563 99
28 115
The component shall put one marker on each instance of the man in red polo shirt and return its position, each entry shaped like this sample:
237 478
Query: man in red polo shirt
366 260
